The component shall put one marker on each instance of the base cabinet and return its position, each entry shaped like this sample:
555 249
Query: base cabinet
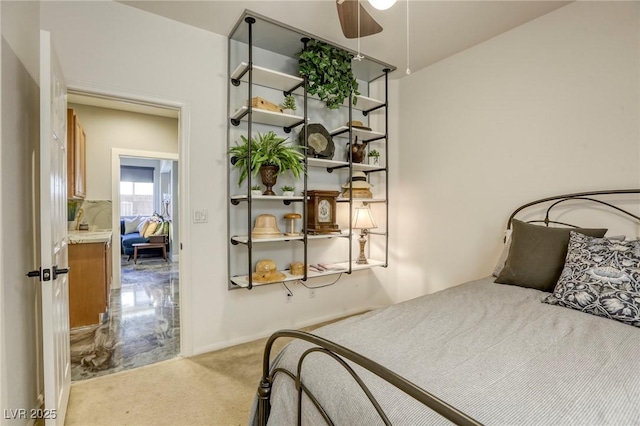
89 282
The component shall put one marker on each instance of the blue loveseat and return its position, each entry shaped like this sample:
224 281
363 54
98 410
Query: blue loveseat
128 240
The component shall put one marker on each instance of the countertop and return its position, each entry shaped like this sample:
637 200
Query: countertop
87 237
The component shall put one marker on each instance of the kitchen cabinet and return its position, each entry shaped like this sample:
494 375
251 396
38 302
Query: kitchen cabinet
76 157
89 281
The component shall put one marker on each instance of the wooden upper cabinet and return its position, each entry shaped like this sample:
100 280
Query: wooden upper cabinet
76 157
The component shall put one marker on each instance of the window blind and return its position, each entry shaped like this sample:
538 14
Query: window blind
136 174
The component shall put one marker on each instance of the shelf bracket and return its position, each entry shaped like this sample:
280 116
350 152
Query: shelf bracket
374 139
290 91
340 132
373 109
331 169
382 169
288 128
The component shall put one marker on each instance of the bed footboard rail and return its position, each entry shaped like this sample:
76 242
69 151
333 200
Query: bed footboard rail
340 354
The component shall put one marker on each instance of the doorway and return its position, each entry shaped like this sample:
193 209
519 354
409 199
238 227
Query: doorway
142 324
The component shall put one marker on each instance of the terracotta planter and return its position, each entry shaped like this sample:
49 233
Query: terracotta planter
269 175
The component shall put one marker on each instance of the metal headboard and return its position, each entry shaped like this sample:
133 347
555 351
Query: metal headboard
584 196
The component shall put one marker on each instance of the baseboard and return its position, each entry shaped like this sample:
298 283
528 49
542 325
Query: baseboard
262 335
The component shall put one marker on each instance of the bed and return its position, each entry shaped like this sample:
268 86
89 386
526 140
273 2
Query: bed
536 344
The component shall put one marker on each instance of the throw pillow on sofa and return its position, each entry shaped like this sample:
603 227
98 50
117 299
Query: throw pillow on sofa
142 227
150 228
131 225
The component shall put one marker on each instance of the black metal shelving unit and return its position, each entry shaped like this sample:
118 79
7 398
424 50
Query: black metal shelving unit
289 42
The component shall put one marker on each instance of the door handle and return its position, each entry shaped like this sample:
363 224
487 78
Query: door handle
33 274
59 271
46 276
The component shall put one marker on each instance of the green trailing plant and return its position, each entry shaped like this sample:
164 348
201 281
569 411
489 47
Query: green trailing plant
267 149
287 188
328 71
289 103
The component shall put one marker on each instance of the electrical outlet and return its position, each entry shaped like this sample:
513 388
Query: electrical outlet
312 293
288 297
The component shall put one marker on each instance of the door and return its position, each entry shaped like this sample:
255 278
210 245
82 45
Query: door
53 235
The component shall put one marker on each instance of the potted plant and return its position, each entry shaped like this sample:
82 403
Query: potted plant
328 71
270 156
256 190
288 190
289 105
375 155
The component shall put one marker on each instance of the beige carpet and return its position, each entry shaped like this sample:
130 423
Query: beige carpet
215 388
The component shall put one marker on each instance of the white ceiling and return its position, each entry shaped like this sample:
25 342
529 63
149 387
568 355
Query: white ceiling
437 29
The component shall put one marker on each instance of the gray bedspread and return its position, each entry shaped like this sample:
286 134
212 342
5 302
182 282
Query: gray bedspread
493 351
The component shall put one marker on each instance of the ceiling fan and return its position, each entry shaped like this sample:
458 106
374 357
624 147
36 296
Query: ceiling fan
350 10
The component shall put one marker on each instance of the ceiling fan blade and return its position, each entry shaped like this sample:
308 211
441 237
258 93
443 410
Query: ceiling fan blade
348 14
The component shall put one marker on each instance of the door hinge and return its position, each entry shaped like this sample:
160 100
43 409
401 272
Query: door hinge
42 274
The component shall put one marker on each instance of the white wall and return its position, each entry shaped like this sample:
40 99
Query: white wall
20 365
550 107
109 128
111 46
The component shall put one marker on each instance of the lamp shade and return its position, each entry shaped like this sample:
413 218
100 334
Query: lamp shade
363 219
382 4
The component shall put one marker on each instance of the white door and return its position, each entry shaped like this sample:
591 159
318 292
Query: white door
53 234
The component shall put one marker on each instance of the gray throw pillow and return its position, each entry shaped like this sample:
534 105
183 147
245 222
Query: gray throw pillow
601 277
537 255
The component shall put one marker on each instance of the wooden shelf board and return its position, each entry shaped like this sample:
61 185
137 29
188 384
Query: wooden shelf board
361 200
243 281
266 77
363 135
264 116
266 197
321 162
364 103
243 239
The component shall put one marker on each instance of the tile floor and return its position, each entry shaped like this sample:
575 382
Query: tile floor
143 325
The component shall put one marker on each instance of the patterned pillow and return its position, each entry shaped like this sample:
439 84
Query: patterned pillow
601 277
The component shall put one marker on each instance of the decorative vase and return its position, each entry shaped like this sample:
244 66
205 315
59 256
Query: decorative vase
255 192
288 111
269 175
357 152
287 193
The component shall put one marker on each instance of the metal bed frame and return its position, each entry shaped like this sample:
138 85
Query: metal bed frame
341 354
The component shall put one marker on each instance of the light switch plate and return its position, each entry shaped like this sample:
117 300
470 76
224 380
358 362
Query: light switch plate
200 216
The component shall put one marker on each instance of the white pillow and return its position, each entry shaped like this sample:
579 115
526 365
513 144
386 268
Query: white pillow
131 225
505 253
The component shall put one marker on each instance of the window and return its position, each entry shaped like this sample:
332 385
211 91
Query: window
136 191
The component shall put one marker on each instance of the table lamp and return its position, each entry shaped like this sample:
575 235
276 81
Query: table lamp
363 220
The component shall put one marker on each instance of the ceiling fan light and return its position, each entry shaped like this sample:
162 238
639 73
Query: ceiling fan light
382 4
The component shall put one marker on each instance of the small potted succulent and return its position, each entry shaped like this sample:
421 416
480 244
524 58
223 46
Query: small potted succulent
375 155
289 105
288 191
256 190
